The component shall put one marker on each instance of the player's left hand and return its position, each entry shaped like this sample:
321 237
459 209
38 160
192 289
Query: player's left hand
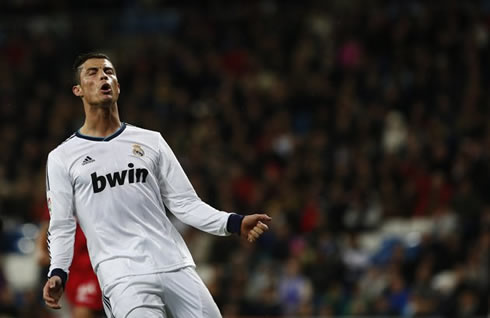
253 226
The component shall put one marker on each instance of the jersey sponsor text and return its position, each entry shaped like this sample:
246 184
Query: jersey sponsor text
118 178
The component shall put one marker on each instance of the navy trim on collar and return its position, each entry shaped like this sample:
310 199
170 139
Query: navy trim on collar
108 138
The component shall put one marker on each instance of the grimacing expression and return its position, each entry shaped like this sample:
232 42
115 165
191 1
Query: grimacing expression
98 82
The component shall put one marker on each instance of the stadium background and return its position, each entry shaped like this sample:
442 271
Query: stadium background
361 127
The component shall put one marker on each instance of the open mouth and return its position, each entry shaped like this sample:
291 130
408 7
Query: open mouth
106 88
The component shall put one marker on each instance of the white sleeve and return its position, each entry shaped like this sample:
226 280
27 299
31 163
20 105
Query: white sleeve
181 199
62 223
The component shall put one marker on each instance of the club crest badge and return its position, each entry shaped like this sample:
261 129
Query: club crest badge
138 151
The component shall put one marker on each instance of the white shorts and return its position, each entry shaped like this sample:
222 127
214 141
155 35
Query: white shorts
177 294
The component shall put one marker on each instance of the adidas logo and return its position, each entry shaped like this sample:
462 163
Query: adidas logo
87 160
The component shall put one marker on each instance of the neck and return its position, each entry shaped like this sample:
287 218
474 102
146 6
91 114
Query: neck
100 121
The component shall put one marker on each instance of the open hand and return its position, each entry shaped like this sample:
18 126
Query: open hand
52 292
253 226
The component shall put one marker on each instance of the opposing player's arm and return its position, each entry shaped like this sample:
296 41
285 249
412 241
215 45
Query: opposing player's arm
181 199
61 230
42 254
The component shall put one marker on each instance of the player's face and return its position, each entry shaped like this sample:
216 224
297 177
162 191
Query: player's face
98 83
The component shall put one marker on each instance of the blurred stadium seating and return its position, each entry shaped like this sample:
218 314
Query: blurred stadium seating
361 127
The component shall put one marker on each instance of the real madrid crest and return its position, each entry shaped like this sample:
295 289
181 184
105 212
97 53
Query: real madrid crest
138 151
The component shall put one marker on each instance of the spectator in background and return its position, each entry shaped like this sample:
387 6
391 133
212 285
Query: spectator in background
7 301
295 290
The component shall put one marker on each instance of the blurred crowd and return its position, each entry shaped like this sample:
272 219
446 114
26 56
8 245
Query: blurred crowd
331 116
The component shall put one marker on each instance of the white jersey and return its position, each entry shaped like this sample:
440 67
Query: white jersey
117 188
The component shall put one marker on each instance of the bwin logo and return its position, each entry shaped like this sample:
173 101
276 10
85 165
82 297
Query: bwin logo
118 178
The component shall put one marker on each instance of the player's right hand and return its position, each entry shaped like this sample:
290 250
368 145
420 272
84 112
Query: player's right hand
52 291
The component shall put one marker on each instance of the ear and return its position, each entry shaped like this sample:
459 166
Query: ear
77 90
118 88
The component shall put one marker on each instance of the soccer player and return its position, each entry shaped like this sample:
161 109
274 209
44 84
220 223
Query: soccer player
117 179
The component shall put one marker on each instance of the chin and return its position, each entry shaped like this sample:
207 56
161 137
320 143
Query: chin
106 103
108 99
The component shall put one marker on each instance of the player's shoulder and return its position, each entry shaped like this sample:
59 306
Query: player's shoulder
63 148
132 129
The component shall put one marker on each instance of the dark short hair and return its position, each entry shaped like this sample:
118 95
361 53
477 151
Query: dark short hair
81 59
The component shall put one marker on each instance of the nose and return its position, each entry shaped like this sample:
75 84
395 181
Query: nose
103 76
